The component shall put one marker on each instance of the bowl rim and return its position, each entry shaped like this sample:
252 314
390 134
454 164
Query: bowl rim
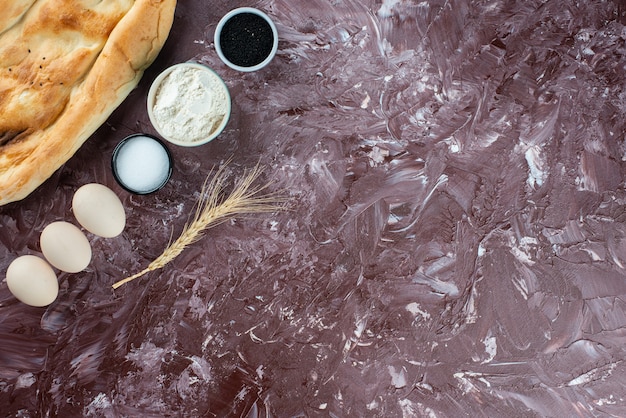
116 152
152 92
220 26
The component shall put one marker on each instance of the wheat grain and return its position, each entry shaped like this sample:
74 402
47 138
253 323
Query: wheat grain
211 211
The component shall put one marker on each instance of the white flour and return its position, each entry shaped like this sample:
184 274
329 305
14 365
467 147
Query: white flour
190 104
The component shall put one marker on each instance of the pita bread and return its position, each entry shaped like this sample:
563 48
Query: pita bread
65 66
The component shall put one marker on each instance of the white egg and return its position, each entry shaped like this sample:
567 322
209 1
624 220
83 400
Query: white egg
65 247
32 281
98 209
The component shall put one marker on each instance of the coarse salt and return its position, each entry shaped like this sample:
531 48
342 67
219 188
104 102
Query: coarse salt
142 164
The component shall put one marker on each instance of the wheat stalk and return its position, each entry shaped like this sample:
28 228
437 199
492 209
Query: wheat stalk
211 210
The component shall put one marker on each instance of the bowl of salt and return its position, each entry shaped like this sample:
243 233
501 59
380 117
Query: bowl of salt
141 164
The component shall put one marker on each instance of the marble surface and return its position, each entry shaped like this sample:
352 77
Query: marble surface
455 243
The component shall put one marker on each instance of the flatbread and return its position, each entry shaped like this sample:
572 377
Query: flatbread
65 66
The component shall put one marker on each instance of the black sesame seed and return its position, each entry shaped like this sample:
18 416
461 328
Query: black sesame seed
246 39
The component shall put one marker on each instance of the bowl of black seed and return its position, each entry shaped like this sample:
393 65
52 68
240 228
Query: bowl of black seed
246 39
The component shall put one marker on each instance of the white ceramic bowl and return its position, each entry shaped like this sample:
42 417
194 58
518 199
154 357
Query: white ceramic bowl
191 99
218 38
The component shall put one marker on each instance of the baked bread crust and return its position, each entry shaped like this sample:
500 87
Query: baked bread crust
65 66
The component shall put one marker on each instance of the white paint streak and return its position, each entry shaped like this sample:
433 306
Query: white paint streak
491 348
398 377
416 310
537 166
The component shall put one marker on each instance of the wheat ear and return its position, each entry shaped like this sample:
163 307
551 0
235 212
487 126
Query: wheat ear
211 211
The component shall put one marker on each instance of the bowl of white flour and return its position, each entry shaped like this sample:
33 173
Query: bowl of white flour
189 104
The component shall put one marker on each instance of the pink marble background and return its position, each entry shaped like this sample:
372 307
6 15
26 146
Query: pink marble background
455 243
